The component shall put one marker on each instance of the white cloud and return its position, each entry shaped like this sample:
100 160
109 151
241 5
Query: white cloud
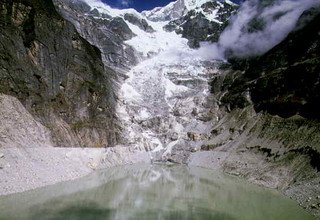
280 18
125 3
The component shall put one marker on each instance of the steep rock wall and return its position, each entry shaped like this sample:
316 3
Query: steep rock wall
57 75
269 128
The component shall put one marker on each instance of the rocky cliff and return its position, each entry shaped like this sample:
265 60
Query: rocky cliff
66 61
196 21
88 75
269 131
203 22
57 75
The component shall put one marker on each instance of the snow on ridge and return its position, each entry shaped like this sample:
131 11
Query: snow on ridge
159 10
146 43
172 10
180 8
170 45
231 3
159 41
193 4
113 12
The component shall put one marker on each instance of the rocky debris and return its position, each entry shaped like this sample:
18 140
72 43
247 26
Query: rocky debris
209 147
168 117
268 127
18 128
177 152
67 85
32 168
120 155
263 153
2 165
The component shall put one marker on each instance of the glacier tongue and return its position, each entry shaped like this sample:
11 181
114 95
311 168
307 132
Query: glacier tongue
164 102
149 44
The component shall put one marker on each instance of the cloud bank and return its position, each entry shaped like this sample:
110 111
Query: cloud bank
259 25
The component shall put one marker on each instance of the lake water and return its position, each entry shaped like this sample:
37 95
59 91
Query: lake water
147 192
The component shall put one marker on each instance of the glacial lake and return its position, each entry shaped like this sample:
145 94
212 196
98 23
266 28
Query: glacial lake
147 192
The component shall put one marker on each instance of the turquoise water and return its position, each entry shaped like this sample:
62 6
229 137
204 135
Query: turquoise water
149 192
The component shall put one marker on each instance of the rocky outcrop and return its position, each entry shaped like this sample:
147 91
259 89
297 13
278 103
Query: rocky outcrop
141 23
57 75
260 121
203 24
289 72
171 11
106 32
268 130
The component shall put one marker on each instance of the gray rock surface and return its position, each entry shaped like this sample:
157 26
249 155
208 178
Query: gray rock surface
197 27
105 32
269 129
60 80
57 75
141 23
18 128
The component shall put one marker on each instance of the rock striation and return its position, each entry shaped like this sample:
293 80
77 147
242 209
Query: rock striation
57 75
269 127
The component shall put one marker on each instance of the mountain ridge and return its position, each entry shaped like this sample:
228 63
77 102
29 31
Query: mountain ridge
112 78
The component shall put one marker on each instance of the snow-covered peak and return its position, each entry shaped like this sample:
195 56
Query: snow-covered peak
169 12
145 43
113 12
175 26
179 8
194 4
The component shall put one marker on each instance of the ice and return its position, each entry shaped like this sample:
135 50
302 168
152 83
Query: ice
158 85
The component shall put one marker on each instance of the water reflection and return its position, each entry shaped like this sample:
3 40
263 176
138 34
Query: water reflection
152 192
91 211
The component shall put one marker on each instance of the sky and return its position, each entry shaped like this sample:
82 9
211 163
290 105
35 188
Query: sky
141 5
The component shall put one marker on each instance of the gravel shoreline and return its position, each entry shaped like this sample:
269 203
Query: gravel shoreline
23 169
306 193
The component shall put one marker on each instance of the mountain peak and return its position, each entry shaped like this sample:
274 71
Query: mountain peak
180 8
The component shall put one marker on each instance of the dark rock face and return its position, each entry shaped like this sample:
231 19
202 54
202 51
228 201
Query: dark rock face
200 29
56 74
141 23
278 152
285 81
196 27
81 6
175 11
105 32
119 27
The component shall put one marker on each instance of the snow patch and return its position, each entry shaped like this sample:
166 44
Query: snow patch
113 12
